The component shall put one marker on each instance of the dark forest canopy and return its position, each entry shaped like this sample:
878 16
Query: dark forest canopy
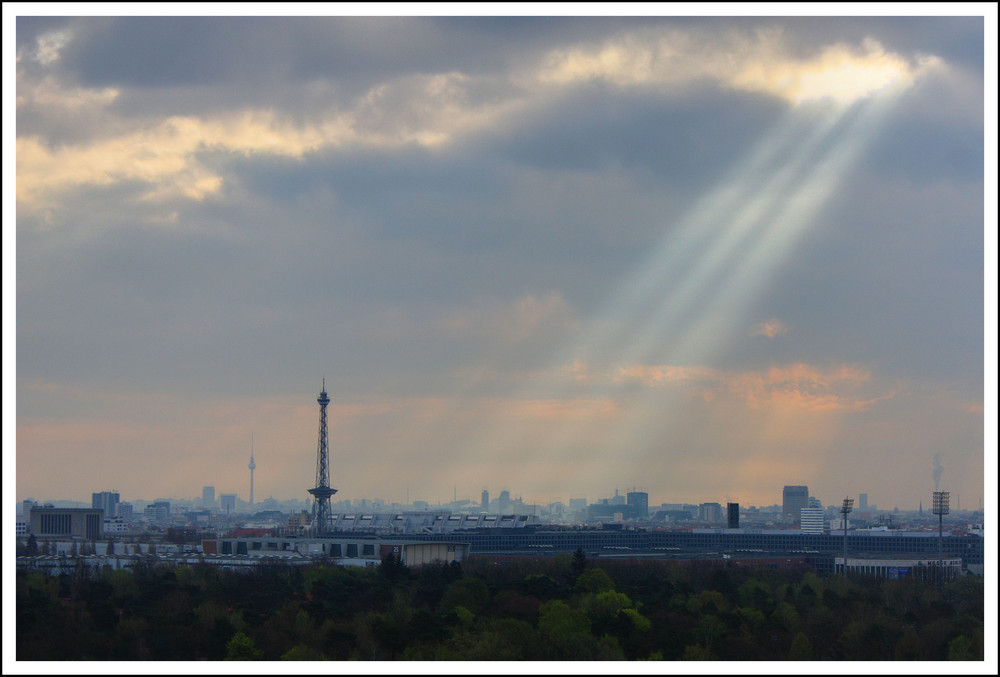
562 608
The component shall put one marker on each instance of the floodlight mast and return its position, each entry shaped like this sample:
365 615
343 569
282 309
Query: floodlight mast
941 507
845 510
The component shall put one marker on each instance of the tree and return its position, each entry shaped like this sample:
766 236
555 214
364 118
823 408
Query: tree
578 565
242 648
594 580
301 652
965 648
801 649
32 545
472 593
392 567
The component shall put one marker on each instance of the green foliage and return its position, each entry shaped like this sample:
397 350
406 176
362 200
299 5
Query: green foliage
965 648
695 652
637 620
556 618
520 610
594 580
301 652
242 648
801 649
785 617
471 593
540 586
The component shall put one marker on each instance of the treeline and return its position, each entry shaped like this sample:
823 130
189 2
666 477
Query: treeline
563 608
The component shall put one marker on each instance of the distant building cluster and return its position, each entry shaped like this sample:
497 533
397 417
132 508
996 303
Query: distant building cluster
360 531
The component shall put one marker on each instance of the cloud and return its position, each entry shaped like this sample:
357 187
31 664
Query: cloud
761 62
770 329
49 45
172 156
529 317
793 386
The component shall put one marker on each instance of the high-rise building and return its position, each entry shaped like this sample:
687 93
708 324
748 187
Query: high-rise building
208 497
503 502
125 511
485 502
793 499
811 520
106 501
638 502
862 502
710 512
733 515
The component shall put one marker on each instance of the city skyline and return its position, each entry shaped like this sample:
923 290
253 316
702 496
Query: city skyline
709 257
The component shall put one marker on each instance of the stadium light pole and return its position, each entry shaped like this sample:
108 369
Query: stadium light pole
941 508
845 510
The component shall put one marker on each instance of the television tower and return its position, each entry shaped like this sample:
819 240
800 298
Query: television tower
322 491
252 467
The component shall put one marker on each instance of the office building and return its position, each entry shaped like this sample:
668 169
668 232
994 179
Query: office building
67 523
158 512
125 511
862 502
733 515
710 512
811 520
208 497
106 501
485 502
793 499
504 503
638 502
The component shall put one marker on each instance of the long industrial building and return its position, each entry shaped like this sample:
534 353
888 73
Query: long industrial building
820 550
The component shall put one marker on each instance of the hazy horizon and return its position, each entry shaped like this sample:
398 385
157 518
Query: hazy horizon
702 257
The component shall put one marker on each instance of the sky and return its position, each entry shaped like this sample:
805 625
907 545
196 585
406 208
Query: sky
702 257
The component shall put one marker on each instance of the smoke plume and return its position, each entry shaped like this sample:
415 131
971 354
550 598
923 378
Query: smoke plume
938 469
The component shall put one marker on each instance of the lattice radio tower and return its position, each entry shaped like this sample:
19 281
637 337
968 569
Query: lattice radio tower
322 491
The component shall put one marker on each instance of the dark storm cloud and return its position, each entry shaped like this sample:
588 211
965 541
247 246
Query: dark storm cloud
683 141
150 52
153 52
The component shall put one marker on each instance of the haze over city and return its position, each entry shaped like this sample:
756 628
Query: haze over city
703 257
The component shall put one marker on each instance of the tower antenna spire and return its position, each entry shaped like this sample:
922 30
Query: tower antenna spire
252 467
322 491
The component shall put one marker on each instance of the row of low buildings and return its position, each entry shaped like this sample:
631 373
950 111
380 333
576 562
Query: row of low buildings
450 537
